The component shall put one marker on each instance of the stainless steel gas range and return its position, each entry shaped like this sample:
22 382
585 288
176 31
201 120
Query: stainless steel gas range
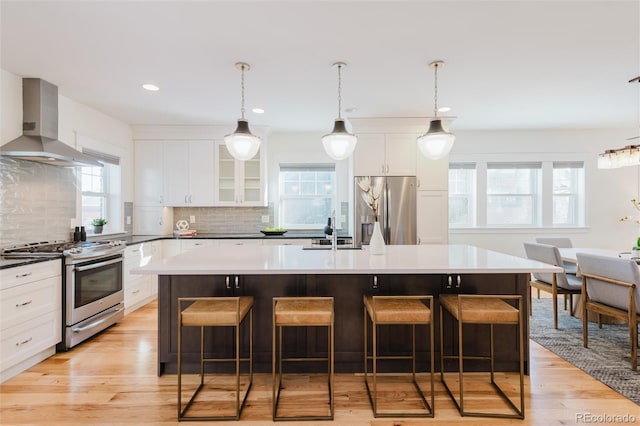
93 292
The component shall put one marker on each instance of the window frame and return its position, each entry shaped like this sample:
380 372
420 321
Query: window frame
547 160
283 196
111 193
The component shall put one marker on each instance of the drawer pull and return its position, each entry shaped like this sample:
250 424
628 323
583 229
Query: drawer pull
24 275
136 291
24 342
23 303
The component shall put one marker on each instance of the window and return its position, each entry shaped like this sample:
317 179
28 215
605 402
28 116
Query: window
100 190
568 193
462 194
513 194
306 195
507 194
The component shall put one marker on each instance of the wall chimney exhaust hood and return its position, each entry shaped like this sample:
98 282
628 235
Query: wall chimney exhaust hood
39 141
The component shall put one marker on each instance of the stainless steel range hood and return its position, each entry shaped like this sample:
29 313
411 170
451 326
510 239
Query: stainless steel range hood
39 141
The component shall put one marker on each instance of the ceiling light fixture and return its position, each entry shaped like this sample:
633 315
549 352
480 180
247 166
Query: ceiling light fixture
258 110
628 155
242 144
150 87
339 144
437 142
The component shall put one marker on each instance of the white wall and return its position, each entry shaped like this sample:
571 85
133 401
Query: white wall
304 147
608 191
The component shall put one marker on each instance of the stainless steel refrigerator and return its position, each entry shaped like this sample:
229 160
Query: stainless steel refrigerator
393 198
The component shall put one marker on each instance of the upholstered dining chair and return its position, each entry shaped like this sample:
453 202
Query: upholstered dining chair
556 283
611 286
560 242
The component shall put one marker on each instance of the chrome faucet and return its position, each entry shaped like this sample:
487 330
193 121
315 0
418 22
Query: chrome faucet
334 232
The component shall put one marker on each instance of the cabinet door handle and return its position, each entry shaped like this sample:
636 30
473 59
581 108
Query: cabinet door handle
418 183
375 282
24 341
236 282
419 241
226 282
23 275
449 281
382 168
190 198
135 291
18 305
459 282
185 199
387 168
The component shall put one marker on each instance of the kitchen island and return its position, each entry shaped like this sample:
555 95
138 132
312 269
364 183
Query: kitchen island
268 271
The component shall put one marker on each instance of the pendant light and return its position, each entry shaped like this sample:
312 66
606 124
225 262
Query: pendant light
629 155
339 144
437 142
242 144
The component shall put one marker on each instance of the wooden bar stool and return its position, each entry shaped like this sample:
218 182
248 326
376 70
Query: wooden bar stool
397 310
301 312
482 309
215 312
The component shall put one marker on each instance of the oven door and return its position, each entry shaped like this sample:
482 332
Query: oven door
92 287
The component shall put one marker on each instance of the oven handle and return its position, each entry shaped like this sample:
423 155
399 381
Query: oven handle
97 265
104 317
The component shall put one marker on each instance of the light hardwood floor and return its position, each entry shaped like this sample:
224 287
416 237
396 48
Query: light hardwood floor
112 380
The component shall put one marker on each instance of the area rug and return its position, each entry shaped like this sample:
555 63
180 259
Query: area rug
607 358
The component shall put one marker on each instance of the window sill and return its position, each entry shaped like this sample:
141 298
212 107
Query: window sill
521 230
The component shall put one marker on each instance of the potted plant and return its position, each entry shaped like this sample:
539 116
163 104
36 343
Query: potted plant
98 224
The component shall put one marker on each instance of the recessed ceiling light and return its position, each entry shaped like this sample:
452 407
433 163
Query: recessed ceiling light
150 87
258 110
444 109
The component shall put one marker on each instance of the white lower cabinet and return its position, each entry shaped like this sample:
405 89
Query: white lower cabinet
30 315
140 289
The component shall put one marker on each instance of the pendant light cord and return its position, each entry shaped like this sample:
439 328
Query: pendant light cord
435 92
339 90
242 90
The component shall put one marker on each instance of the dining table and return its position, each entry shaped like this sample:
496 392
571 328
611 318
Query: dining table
568 254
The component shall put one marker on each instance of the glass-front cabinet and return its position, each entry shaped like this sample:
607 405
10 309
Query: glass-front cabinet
239 183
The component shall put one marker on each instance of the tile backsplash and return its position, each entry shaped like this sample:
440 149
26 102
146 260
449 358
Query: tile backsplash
225 219
37 202
236 219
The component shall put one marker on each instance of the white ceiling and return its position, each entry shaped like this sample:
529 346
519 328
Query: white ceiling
509 64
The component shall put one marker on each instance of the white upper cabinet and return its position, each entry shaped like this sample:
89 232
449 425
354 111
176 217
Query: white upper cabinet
391 154
433 175
189 173
149 173
238 183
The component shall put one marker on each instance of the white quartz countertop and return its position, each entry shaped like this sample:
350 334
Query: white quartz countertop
287 259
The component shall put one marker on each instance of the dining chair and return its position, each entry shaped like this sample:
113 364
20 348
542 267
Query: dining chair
611 286
560 242
554 283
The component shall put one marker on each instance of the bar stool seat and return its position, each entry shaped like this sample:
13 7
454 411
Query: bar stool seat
301 312
215 312
489 310
397 310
